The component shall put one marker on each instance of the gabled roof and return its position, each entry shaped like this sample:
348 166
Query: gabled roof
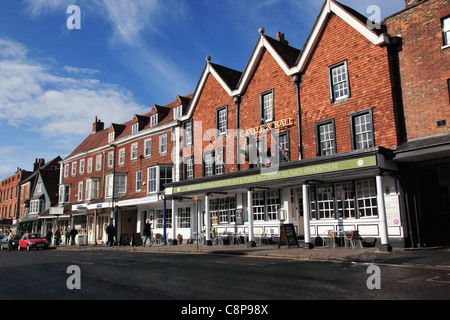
290 59
350 16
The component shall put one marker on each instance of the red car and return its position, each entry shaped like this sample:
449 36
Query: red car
33 240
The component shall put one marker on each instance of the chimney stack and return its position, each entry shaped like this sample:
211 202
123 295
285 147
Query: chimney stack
280 38
97 126
38 163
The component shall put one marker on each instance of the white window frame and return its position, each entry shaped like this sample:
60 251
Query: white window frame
80 191
446 31
82 166
177 112
267 106
138 181
153 120
98 162
110 159
135 128
163 144
89 165
339 82
74 168
66 170
111 137
121 157
148 148
134 151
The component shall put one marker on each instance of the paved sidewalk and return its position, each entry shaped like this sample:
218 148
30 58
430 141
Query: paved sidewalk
438 257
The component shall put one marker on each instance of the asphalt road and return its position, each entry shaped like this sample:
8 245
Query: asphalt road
112 275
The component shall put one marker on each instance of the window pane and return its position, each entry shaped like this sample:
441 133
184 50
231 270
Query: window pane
363 131
367 198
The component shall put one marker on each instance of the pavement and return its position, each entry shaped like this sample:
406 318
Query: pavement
433 257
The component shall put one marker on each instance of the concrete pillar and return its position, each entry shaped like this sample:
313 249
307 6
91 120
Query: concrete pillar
251 236
385 246
306 217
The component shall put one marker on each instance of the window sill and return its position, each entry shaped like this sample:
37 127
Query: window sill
445 47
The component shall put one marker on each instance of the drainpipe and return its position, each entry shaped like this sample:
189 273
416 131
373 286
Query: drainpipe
237 101
296 79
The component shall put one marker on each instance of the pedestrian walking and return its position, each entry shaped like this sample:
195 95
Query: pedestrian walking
148 232
49 236
57 236
73 234
111 232
10 240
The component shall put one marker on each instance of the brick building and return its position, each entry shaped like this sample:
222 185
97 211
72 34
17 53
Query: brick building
324 138
9 199
129 162
422 56
305 135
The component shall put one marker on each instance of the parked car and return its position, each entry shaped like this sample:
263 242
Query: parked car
33 240
15 243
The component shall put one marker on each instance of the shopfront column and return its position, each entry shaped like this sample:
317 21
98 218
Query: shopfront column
208 221
382 214
306 217
250 217
174 220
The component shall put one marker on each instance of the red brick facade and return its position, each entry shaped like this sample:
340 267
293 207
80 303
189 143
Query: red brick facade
424 66
370 88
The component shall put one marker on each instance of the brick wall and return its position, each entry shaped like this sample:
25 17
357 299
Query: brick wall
424 67
370 87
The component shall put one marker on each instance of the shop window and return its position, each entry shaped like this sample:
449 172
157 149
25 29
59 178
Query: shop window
266 205
184 218
344 200
159 219
366 194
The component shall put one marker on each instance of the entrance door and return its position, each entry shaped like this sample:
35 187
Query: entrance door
299 212
129 223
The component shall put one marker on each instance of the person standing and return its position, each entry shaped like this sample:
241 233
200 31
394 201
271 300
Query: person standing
10 240
148 232
57 237
73 234
111 232
67 235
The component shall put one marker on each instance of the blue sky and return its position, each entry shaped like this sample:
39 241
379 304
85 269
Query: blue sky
127 56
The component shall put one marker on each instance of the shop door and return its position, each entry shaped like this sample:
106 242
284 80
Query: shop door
299 212
129 223
433 193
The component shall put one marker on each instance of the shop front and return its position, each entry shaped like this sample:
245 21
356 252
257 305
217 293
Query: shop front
353 191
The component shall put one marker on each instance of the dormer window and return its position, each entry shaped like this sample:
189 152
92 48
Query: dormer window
111 137
177 112
154 120
135 128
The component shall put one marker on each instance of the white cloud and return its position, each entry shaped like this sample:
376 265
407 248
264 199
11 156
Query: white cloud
34 96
